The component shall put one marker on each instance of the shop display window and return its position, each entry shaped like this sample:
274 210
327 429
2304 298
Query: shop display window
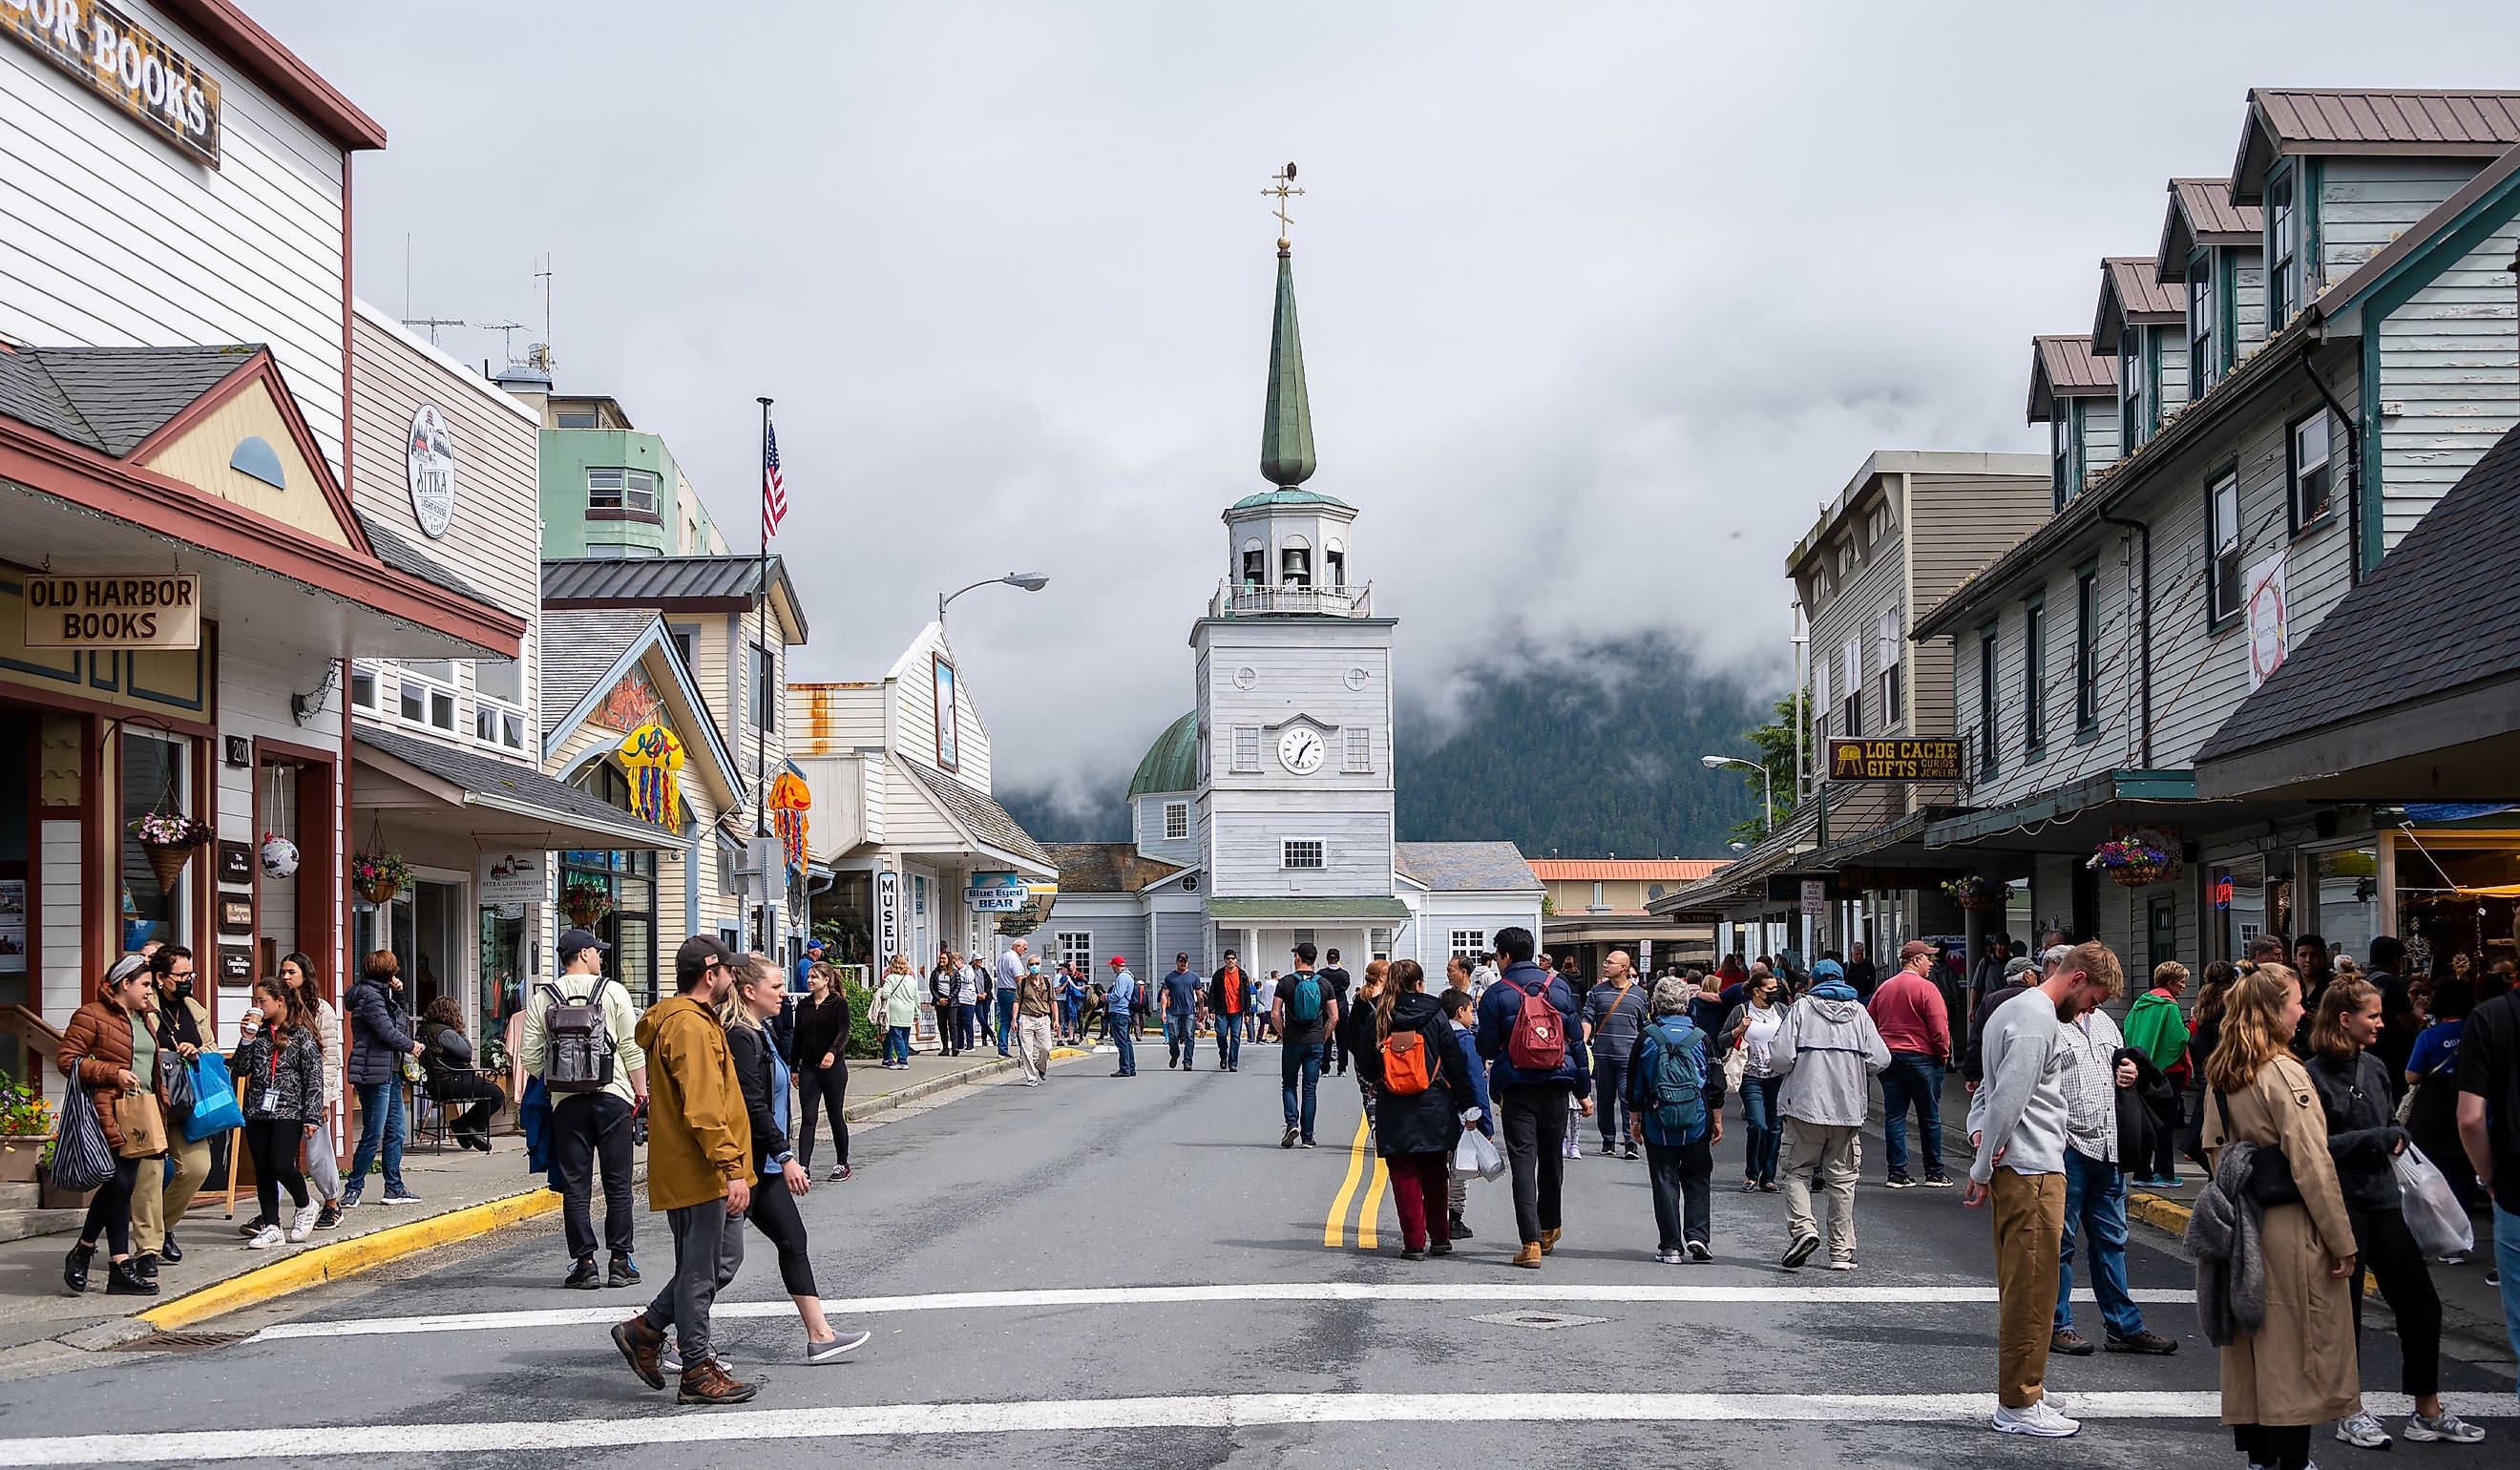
2348 898
157 775
2240 906
2456 907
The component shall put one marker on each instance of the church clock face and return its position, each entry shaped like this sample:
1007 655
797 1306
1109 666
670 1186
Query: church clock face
1301 751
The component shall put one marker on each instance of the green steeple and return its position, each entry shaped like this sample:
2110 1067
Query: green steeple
1286 431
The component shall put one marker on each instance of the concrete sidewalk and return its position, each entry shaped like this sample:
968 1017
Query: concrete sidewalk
461 1194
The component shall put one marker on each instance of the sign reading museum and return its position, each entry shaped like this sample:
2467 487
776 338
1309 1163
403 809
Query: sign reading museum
1894 760
128 64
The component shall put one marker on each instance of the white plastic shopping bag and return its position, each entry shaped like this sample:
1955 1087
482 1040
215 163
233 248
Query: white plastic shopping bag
2433 1214
1477 1154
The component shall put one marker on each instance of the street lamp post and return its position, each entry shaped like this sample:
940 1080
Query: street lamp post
1029 581
1767 782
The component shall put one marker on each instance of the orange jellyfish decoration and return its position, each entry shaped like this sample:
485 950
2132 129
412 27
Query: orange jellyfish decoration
790 800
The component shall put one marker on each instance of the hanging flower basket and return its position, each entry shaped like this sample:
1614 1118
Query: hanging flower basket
586 901
169 838
2136 860
379 875
1979 894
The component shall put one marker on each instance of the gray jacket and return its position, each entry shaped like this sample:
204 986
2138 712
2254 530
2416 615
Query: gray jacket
2225 1238
1828 1054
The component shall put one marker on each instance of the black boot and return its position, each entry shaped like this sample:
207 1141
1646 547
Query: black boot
1461 1229
123 1281
173 1253
75 1267
146 1264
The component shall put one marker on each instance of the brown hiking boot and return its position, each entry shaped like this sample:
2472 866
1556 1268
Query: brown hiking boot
1548 1241
641 1344
1529 1255
710 1384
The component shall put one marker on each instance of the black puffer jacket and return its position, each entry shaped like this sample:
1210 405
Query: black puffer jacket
1427 1122
750 1046
380 1033
294 1080
2362 1131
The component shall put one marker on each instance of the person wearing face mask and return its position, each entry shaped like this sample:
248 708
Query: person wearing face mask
184 1032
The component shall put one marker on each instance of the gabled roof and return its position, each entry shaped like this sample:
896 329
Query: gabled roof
670 584
2201 213
977 815
2131 292
112 399
1466 867
1612 869
2409 122
649 637
2066 367
1105 868
2409 632
579 648
508 785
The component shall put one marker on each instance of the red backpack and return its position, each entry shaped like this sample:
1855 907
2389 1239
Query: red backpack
1538 1043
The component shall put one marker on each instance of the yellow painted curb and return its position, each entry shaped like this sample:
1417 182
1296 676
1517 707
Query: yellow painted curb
2161 1213
338 1259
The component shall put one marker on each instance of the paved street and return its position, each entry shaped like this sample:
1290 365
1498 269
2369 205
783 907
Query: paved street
1102 1271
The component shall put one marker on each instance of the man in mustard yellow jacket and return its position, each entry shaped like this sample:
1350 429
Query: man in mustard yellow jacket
699 1172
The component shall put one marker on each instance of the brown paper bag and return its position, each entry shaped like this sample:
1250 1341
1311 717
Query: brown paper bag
136 1116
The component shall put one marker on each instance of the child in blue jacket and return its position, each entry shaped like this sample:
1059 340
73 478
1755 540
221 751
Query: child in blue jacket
1463 1012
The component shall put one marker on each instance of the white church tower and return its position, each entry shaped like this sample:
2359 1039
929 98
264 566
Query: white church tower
1294 781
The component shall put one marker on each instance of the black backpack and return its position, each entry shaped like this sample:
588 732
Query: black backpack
578 1054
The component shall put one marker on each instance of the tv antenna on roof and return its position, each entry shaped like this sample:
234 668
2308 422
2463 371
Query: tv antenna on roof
432 323
507 336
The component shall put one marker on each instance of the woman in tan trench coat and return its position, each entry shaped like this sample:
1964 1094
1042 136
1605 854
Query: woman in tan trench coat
2298 1369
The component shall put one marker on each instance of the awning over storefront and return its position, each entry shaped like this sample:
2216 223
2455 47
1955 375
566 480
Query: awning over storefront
1364 909
2080 814
511 797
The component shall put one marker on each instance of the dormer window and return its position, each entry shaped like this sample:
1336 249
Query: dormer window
2204 317
1295 563
2067 449
2284 255
2134 406
1846 560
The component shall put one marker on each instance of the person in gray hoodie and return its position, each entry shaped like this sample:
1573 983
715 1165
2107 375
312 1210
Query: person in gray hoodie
1827 1052
2018 1120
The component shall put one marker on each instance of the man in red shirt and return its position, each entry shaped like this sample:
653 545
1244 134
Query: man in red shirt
1225 1004
1915 1024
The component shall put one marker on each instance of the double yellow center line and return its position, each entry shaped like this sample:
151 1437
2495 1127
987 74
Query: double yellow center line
1334 1229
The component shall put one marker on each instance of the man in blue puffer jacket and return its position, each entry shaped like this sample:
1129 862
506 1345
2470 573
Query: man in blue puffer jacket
379 1040
1533 1102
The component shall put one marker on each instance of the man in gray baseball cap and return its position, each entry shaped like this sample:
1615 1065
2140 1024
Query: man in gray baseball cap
591 1124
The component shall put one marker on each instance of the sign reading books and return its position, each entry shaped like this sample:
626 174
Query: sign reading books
1890 759
126 64
152 610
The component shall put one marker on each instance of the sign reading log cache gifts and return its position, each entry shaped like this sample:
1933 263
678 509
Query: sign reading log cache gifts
128 64
152 610
1894 759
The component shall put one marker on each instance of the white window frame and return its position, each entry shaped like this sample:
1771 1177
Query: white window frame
1075 947
2299 466
433 691
1357 756
376 674
1847 559
1246 750
1303 854
1887 652
1882 522
2222 539
1469 944
498 721
622 490
1176 822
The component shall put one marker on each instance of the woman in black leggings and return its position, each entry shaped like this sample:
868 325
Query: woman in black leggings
279 1071
97 1046
822 1063
757 995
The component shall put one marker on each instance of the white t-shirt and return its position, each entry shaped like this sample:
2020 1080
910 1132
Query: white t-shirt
1268 991
1764 1026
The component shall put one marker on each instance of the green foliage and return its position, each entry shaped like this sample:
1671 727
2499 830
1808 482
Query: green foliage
22 1114
865 1032
1773 746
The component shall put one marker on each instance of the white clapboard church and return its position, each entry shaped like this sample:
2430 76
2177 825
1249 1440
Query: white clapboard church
1263 818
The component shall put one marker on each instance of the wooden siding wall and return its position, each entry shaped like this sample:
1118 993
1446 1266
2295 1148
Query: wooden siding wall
1148 818
2174 375
2248 267
1246 831
912 696
2450 381
831 719
1241 819
117 239
2366 203
2100 438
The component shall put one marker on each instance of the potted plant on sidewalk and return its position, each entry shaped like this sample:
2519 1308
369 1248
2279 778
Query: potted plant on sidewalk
1979 894
26 1129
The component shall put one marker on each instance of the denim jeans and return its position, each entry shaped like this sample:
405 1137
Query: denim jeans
1299 1070
1912 1079
966 1027
1124 1037
896 1044
1766 1130
380 1123
1610 1093
1006 1019
1228 1040
1068 1012
2507 1260
2095 1210
1181 1037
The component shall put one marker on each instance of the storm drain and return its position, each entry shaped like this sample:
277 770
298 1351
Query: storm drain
1538 1321
178 1342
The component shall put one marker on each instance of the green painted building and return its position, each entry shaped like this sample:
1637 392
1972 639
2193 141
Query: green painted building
609 488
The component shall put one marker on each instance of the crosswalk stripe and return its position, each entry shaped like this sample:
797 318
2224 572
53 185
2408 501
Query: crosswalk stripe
436 1439
1952 1294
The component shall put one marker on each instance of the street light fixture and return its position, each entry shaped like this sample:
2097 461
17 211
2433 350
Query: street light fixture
1738 847
1767 782
1029 581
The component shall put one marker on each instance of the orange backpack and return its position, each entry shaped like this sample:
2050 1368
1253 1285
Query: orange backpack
1408 1064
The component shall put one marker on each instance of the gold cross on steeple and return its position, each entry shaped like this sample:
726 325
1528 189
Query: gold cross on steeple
1280 189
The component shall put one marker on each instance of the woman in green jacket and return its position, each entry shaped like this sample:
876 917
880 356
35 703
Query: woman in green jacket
2158 1028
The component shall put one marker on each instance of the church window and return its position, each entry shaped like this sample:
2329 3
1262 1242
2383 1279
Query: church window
1176 820
1246 748
1076 948
1359 754
1300 853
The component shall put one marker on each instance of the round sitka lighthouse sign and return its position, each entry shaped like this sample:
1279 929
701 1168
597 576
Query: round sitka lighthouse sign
429 454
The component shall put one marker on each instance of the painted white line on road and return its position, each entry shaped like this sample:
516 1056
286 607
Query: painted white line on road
333 1442
1300 1293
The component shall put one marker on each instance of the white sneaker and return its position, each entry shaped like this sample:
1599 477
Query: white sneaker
303 1224
2449 1428
267 1238
2038 1419
2363 1431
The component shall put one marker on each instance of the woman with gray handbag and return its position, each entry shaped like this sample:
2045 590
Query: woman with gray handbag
97 1054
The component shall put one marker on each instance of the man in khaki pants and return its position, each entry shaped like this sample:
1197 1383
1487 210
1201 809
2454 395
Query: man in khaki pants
184 1031
2017 1124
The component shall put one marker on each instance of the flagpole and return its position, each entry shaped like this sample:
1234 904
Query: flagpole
760 733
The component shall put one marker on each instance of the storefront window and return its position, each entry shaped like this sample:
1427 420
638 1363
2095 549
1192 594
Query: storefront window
2454 904
2348 898
503 965
631 927
2239 898
845 916
156 773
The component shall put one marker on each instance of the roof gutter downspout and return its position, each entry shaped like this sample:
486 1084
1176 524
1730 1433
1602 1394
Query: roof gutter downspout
2143 636
2353 457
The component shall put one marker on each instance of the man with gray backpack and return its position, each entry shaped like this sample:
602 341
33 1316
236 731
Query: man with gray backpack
581 1041
1676 1110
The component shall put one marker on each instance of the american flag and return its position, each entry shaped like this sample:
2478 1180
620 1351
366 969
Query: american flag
774 488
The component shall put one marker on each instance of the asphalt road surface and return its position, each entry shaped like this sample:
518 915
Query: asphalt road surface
1131 1273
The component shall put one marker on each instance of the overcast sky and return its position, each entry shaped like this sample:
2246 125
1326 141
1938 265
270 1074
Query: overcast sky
1600 302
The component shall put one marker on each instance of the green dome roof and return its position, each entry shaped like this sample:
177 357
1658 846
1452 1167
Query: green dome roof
1171 763
1289 497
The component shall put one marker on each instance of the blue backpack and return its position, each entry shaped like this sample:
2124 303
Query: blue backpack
1678 1079
1304 1001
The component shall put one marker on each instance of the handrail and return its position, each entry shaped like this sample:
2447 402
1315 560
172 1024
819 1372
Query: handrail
37 1034
1248 599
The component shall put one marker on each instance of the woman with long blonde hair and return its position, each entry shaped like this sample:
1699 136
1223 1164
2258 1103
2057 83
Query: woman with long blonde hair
2297 1368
